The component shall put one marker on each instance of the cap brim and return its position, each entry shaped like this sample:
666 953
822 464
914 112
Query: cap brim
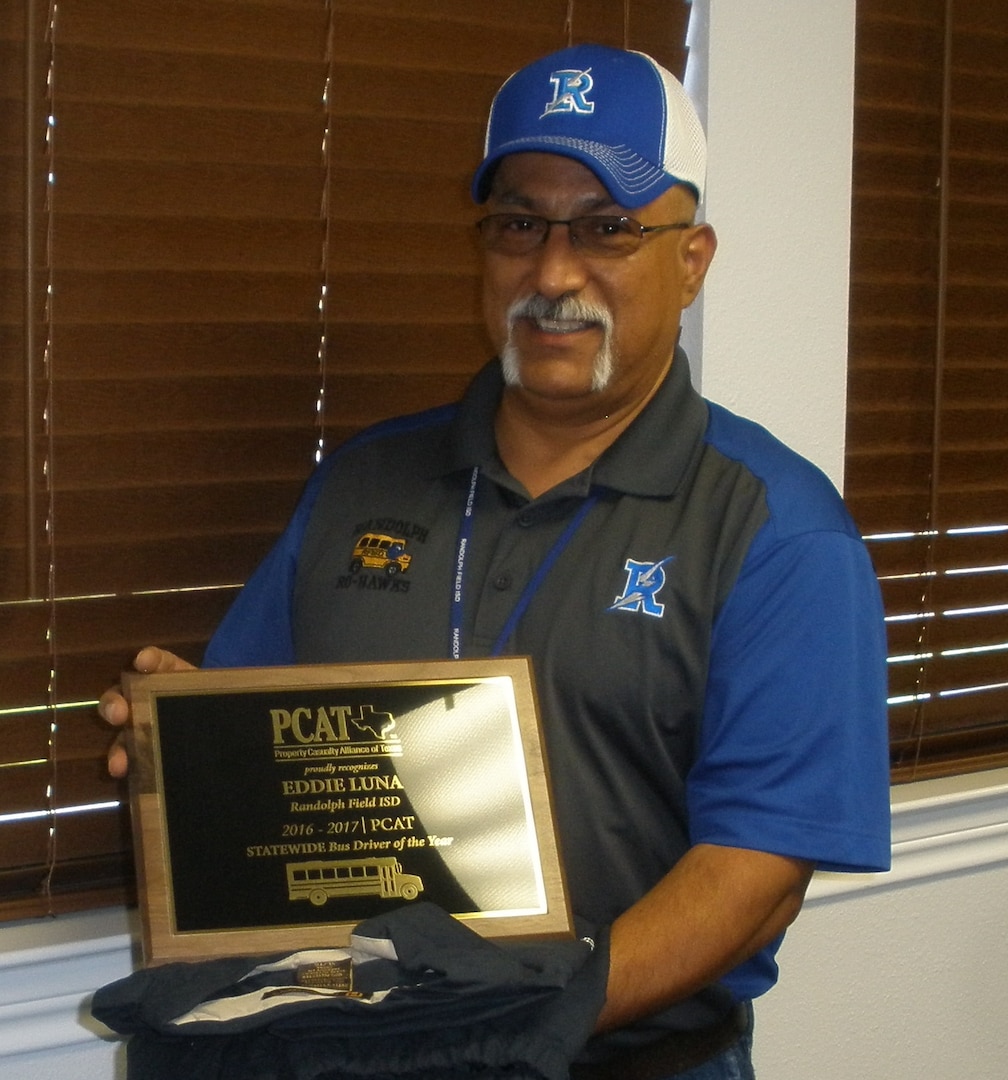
631 180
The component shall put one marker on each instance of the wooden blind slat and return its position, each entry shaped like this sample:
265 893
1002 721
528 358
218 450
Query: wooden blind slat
222 189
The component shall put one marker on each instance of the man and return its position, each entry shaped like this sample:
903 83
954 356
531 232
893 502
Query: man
703 620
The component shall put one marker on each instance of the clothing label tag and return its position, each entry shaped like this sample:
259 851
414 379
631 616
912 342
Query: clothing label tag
327 975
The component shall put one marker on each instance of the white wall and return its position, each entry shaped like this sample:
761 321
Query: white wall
775 85
907 983
903 976
896 977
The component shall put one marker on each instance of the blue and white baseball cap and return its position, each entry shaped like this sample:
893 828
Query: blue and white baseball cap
618 112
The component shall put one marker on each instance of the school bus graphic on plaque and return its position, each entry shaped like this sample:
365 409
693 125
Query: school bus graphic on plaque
320 880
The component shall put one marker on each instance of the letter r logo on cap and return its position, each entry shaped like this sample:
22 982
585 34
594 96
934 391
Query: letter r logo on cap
570 89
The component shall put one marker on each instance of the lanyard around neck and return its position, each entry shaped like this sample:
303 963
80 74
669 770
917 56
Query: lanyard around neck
462 555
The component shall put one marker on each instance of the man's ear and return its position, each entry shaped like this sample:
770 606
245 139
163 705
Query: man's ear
697 251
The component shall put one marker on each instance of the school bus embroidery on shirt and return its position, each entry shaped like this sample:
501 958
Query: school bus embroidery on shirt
378 551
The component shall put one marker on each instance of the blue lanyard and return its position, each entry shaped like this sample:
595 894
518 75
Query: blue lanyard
464 539
462 554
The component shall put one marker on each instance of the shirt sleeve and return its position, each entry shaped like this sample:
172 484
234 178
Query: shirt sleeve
793 755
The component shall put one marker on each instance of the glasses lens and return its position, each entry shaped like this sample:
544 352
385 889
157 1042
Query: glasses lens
512 234
604 235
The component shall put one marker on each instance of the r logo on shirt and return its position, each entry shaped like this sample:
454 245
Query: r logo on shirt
644 581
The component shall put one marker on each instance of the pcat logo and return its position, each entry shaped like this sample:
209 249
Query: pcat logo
645 580
570 93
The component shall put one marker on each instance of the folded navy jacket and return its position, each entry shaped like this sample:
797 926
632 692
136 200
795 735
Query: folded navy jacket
431 999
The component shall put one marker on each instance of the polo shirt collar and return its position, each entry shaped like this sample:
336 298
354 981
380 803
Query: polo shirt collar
650 458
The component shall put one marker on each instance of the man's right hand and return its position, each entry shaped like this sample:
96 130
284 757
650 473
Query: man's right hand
114 708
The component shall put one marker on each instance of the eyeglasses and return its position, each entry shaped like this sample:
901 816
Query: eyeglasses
604 235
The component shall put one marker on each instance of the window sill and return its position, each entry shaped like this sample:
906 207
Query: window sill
939 827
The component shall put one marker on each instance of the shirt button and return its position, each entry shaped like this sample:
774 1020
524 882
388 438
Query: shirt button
526 518
502 582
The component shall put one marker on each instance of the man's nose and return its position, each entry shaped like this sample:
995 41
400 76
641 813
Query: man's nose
559 267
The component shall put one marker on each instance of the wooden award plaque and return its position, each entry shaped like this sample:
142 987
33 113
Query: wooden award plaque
275 808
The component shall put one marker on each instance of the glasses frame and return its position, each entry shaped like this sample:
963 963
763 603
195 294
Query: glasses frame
631 227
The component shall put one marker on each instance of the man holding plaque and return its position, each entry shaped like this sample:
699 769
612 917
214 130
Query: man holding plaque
703 620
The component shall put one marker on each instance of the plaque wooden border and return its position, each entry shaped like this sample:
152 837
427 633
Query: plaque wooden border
154 745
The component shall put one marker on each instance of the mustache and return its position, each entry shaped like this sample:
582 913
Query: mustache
564 308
